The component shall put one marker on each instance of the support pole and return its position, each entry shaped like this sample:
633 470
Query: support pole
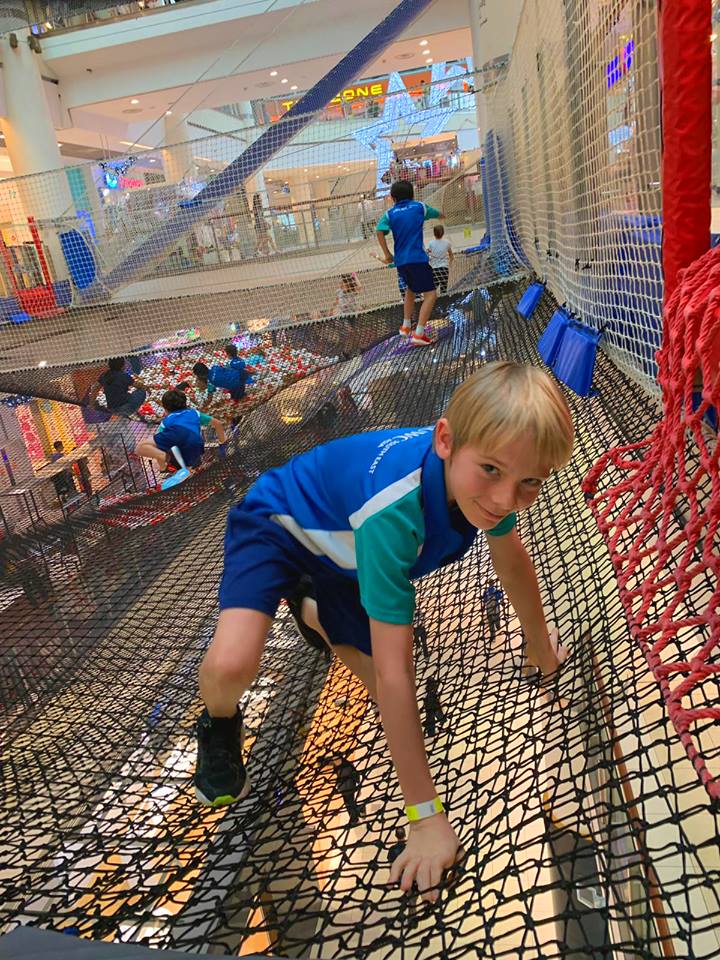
686 83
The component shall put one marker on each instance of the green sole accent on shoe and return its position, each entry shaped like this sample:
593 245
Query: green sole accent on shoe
224 801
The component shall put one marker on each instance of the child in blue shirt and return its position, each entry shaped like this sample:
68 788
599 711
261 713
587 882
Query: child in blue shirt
181 428
405 221
236 361
342 531
234 377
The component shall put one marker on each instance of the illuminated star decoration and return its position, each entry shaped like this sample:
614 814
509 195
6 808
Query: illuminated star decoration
114 169
399 106
15 400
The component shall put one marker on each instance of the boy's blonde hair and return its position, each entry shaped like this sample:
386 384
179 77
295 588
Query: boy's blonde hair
503 400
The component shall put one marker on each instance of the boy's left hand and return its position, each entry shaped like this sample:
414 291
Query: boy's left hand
431 848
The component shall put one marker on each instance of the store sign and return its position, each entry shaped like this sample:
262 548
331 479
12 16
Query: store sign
349 95
620 65
356 93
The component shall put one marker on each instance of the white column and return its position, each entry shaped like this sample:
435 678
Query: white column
477 50
176 153
301 192
492 27
255 185
247 118
32 145
14 446
29 132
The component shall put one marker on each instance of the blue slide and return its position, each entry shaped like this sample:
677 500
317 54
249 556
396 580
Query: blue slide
259 153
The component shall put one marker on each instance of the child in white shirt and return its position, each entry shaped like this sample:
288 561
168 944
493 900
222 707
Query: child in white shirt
441 256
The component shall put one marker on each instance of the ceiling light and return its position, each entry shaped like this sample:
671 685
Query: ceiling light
294 87
284 80
134 100
423 43
168 113
152 160
273 73
429 60
43 363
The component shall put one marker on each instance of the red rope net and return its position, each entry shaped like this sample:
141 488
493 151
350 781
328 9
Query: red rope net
657 504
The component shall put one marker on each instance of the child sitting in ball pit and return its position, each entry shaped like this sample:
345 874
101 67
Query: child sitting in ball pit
342 531
181 428
237 363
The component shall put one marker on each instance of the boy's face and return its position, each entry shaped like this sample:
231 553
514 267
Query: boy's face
487 485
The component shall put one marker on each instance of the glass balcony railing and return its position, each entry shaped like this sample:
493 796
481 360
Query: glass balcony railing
45 22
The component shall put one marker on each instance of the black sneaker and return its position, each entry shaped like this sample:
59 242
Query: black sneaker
294 602
220 777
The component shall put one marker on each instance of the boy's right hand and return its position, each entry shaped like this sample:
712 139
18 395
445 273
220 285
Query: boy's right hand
432 847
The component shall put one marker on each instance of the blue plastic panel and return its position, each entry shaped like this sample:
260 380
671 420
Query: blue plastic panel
575 360
530 299
549 342
79 257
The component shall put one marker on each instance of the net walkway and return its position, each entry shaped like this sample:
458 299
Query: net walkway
586 831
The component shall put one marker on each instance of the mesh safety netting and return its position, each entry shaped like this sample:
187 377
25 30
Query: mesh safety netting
585 828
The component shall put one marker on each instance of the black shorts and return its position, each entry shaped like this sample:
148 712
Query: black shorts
418 277
263 564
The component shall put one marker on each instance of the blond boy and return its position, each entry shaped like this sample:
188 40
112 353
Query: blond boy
343 530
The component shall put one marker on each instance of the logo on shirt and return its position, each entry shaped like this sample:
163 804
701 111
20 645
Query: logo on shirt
391 442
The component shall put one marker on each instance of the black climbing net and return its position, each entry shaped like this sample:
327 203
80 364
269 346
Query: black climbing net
586 833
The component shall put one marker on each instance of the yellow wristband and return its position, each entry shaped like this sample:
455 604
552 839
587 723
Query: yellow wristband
421 811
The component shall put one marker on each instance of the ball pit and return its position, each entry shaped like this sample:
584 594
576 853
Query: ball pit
276 366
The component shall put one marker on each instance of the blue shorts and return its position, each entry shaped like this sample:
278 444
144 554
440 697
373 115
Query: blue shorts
263 564
418 276
191 446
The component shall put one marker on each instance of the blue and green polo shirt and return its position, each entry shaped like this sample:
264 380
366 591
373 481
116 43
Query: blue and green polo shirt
405 219
372 507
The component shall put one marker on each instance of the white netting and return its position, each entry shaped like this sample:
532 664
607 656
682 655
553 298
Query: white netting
573 166
177 238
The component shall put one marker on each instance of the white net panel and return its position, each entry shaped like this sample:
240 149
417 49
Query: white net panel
148 246
573 167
